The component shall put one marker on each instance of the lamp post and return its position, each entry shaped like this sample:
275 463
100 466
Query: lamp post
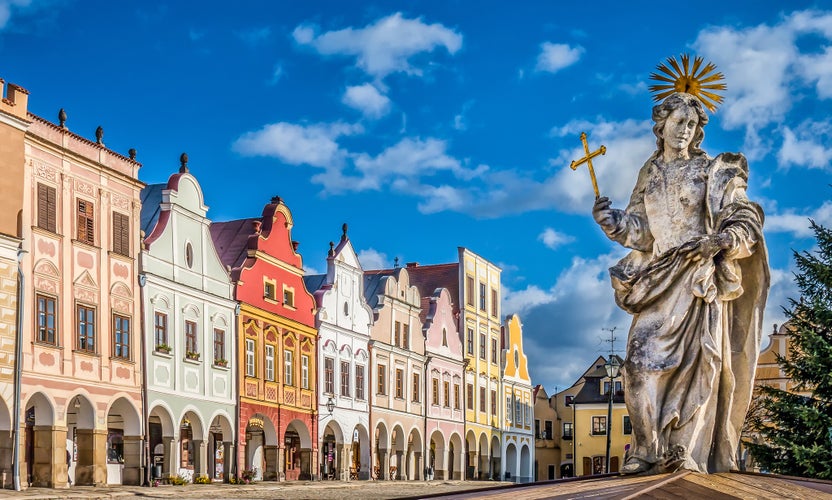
330 406
612 367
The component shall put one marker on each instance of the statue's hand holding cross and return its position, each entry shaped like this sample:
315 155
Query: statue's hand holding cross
588 160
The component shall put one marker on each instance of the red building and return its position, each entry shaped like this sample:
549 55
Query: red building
277 346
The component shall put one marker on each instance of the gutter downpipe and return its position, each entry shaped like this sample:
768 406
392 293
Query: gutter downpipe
18 368
425 444
145 420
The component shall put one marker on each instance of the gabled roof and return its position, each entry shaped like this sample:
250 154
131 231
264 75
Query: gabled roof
591 391
151 197
373 284
428 278
231 240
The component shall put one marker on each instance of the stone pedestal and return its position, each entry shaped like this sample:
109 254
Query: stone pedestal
91 469
132 472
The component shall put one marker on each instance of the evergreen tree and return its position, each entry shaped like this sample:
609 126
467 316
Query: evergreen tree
796 425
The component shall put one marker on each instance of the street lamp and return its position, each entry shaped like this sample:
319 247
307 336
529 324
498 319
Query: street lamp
330 405
612 367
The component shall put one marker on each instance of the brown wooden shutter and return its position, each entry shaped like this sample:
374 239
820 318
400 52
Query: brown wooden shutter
86 222
46 207
587 466
121 234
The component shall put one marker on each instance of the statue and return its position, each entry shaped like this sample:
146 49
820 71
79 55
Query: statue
696 283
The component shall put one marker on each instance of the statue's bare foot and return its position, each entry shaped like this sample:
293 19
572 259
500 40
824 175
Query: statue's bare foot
635 466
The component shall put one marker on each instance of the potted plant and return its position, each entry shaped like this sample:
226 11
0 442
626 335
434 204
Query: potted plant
192 355
221 362
164 348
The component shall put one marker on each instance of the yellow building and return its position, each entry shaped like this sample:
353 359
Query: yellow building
590 408
517 434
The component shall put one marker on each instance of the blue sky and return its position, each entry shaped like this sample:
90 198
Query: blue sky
432 125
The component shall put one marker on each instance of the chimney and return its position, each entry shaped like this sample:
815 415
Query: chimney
256 225
295 245
412 264
20 97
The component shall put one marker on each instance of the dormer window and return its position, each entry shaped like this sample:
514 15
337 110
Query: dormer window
268 290
288 297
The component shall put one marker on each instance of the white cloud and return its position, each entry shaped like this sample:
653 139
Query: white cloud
385 46
277 74
798 223
764 66
367 99
554 57
371 258
810 145
553 239
294 144
6 8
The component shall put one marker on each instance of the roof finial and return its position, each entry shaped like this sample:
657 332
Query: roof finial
62 118
183 163
396 263
344 229
331 249
277 199
99 135
132 153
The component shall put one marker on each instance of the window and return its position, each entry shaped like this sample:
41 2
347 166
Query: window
189 255
599 426
470 390
381 380
121 233
399 381
190 336
494 302
471 341
46 319
509 415
219 346
469 290
86 328
86 222
329 375
537 429
47 207
482 296
518 412
288 368
268 290
304 371
628 426
160 325
121 336
494 403
406 336
417 388
288 297
345 379
482 399
494 351
435 392
250 358
567 400
482 346
397 334
456 397
447 394
270 363
568 429
359 382
444 337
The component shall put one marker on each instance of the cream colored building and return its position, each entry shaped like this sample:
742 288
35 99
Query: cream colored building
518 450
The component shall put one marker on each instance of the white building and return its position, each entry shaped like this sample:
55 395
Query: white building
344 320
518 430
189 318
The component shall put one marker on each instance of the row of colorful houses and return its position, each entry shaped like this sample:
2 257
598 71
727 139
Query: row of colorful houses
140 340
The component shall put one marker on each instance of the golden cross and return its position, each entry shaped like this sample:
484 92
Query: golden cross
588 160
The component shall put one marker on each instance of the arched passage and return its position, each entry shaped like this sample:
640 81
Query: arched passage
162 441
6 440
482 452
124 443
360 464
471 461
382 451
496 450
525 464
40 468
85 447
332 451
397 447
192 452
220 447
436 460
455 449
297 447
261 448
511 463
414 463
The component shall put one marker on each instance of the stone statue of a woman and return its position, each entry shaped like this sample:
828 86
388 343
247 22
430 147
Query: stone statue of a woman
696 283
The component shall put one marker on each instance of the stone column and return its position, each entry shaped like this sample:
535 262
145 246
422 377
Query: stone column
272 458
281 463
345 461
229 457
49 468
201 458
6 453
170 467
310 466
473 461
439 466
91 469
385 465
418 468
132 472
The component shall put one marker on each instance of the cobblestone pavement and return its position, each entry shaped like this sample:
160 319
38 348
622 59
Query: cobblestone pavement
294 490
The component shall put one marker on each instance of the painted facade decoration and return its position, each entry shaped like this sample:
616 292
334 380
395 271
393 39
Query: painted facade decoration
82 361
445 425
517 434
13 124
276 347
190 340
344 321
397 353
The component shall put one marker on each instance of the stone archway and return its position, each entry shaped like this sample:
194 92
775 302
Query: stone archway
162 442
382 452
124 443
482 453
455 463
496 461
261 449
471 460
360 463
297 451
397 447
437 455
414 463
220 451
6 438
525 464
191 449
44 445
511 463
333 455
86 446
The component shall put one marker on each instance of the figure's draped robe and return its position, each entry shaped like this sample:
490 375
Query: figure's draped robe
693 344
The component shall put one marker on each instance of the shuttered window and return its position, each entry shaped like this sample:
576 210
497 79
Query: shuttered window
86 222
47 207
121 234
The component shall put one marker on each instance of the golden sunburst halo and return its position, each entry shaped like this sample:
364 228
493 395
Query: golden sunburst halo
699 81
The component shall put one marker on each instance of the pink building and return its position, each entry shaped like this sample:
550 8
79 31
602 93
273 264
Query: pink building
81 361
445 422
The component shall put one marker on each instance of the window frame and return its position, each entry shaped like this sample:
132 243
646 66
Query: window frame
469 290
251 358
359 382
191 337
494 303
493 350
399 383
43 316
469 388
470 341
597 422
346 375
85 221
493 402
329 375
288 367
381 382
160 328
483 347
121 350
121 233
417 388
268 357
435 391
568 430
483 300
87 326
446 386
626 425
482 400
219 345
47 207
304 371
457 390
